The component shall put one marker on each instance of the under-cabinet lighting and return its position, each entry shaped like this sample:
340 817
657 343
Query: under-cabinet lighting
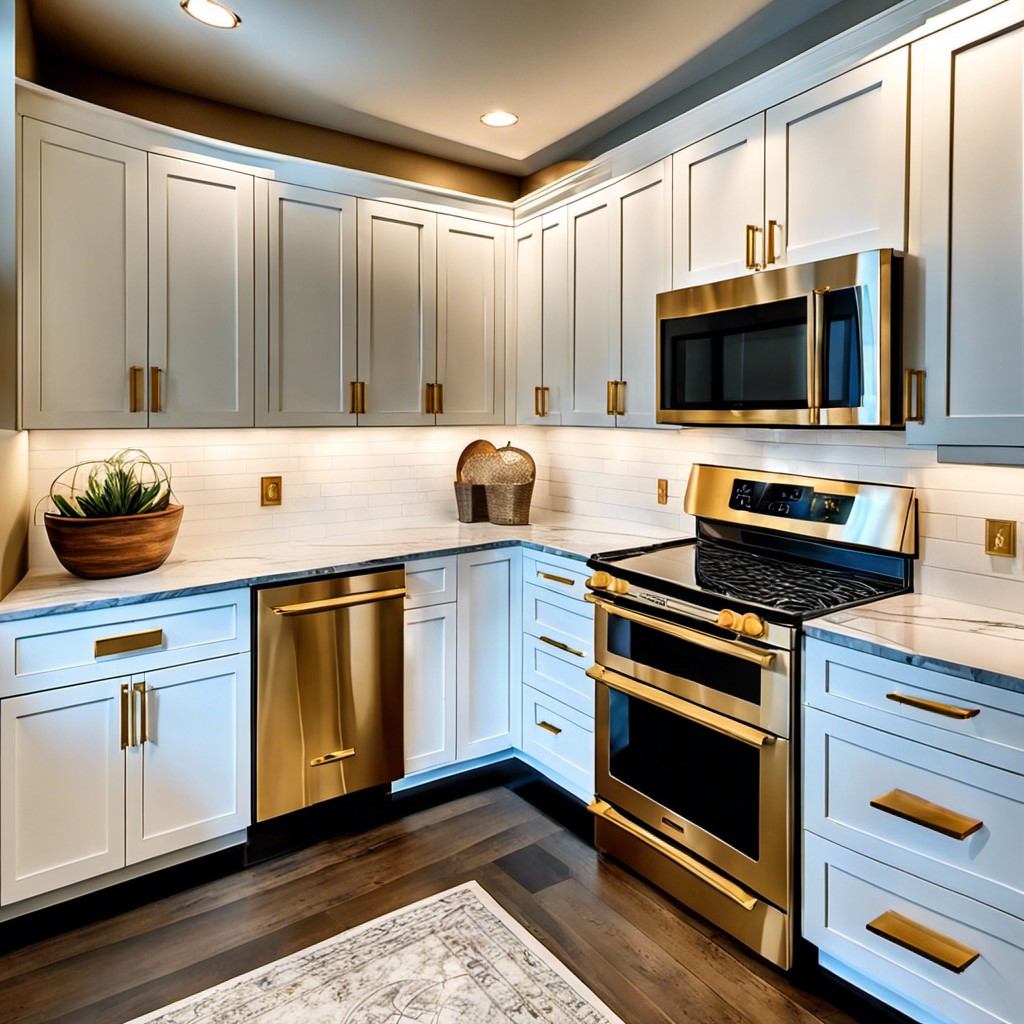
211 13
499 119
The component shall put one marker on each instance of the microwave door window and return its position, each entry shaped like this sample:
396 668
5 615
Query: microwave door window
843 371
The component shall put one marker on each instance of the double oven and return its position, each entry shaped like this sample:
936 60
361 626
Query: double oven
696 683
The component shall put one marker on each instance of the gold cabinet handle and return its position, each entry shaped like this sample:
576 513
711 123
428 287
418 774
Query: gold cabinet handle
142 732
428 399
541 401
620 398
556 579
553 729
913 397
610 403
769 243
107 645
721 884
683 708
125 741
135 379
357 396
946 710
923 812
155 397
932 945
335 603
750 259
334 755
561 646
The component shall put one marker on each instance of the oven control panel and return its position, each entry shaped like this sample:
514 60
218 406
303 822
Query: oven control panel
790 501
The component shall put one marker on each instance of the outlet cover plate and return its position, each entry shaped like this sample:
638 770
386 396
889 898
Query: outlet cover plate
270 490
1001 538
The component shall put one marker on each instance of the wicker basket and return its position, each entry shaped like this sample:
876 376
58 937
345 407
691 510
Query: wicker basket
471 501
509 504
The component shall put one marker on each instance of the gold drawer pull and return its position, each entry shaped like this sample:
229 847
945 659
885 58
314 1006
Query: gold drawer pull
135 389
156 401
556 579
947 710
561 646
142 734
126 742
334 755
108 645
924 812
933 946
553 729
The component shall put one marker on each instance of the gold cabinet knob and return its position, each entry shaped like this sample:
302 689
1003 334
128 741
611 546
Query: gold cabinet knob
599 581
729 620
752 625
618 586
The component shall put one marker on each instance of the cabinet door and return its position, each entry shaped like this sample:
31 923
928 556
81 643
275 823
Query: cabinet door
593 351
61 788
470 321
430 692
303 374
644 213
188 774
488 662
717 191
201 304
969 215
836 162
83 278
397 318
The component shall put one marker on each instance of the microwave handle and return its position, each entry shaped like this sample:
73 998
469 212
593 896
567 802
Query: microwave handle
816 352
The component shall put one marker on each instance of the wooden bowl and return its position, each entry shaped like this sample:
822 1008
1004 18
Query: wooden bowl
99 549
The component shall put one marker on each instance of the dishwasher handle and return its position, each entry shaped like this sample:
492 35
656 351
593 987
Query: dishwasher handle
332 604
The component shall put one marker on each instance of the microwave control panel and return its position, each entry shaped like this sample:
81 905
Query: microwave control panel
790 501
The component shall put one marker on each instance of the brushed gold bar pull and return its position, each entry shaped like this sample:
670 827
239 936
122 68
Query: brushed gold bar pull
545 394
750 258
683 708
620 398
946 710
357 396
336 603
561 646
721 884
540 401
556 579
610 403
553 729
334 755
769 243
155 397
428 399
932 945
439 399
923 812
135 389
913 397
108 645
694 636
125 690
142 733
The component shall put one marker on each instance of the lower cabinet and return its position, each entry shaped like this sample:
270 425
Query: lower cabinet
430 690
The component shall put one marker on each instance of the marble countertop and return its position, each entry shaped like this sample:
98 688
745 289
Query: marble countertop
970 641
54 591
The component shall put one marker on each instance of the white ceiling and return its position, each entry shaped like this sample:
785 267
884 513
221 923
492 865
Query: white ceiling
419 73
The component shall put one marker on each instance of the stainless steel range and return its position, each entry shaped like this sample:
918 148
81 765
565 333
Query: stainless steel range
697 645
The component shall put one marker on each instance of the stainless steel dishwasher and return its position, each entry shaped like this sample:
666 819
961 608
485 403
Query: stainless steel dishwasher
329 680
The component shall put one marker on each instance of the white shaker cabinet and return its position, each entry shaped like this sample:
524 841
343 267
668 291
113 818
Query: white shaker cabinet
967 214
430 687
201 295
84 279
470 322
542 317
397 253
306 360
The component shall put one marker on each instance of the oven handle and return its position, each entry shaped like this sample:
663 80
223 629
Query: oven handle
602 809
694 636
683 708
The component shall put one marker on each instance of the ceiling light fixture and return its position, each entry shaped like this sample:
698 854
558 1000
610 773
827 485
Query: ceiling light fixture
499 119
211 13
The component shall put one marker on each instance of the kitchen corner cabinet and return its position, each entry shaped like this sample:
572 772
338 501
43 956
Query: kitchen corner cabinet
307 356
967 215
542 317
620 257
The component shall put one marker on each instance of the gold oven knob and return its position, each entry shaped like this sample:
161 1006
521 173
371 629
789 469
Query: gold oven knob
752 625
599 581
729 620
618 586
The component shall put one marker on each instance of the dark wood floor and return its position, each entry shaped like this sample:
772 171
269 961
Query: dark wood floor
650 961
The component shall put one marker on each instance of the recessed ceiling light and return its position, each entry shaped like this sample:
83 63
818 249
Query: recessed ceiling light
499 119
211 13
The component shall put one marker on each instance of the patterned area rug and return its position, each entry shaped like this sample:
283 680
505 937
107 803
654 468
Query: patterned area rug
453 957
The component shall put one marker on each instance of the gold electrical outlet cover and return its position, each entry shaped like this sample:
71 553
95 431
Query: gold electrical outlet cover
1001 537
662 492
270 490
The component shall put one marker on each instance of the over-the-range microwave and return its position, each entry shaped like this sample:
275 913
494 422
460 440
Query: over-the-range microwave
811 345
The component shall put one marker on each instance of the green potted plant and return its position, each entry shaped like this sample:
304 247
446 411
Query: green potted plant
113 516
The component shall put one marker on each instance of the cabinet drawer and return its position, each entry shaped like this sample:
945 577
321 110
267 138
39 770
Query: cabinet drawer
557 673
845 892
430 581
857 686
53 650
560 738
847 767
560 618
556 573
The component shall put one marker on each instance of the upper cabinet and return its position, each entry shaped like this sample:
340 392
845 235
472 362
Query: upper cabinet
967 216
821 175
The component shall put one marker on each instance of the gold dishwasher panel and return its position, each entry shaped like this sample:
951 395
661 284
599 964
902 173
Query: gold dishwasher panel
329 683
